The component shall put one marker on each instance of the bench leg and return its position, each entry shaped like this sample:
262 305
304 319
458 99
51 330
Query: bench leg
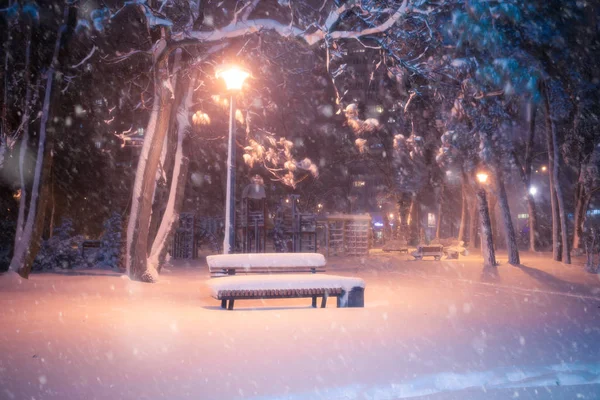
230 304
223 304
314 302
324 301
354 298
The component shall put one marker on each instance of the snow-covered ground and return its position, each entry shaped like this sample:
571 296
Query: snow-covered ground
429 329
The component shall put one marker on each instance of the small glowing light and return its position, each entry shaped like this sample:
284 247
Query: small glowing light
448 173
482 177
533 190
233 76
200 118
544 168
391 216
379 109
287 200
320 205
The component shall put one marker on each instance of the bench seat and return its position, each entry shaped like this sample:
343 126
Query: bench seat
349 291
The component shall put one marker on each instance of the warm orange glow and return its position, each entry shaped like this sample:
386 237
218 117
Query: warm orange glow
233 76
200 118
391 216
544 168
482 177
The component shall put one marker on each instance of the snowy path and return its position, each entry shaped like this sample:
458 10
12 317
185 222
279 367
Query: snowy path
437 330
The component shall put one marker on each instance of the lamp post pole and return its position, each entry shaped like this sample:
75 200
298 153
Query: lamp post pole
487 241
229 241
234 79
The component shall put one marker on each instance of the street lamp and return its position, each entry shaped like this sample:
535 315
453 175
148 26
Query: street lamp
482 177
533 190
234 78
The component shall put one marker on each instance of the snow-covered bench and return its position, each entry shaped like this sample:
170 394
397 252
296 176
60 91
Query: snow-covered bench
433 250
280 275
452 247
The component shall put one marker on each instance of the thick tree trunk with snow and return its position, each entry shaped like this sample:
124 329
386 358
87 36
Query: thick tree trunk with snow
177 187
487 240
509 231
463 215
555 162
139 219
178 203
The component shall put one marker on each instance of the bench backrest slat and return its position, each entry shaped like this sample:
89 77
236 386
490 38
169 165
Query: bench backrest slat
265 263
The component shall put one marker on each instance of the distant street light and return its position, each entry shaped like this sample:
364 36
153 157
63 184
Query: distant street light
544 168
234 78
533 190
391 216
482 177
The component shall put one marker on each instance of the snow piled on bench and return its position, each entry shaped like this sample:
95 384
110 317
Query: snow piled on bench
270 260
291 281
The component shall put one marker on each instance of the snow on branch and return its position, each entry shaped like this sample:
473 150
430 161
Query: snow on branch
240 28
376 29
91 53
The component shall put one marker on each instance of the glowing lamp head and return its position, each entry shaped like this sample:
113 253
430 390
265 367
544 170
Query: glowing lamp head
533 190
320 205
482 177
544 168
391 216
233 76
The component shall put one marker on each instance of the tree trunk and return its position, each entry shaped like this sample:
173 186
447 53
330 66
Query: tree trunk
526 177
533 232
487 240
161 193
492 200
5 79
40 216
473 223
556 249
179 196
509 231
463 215
553 138
580 213
438 221
177 181
139 220
18 261
24 143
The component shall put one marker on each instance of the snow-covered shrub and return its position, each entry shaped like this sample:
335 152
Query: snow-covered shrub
62 250
109 254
